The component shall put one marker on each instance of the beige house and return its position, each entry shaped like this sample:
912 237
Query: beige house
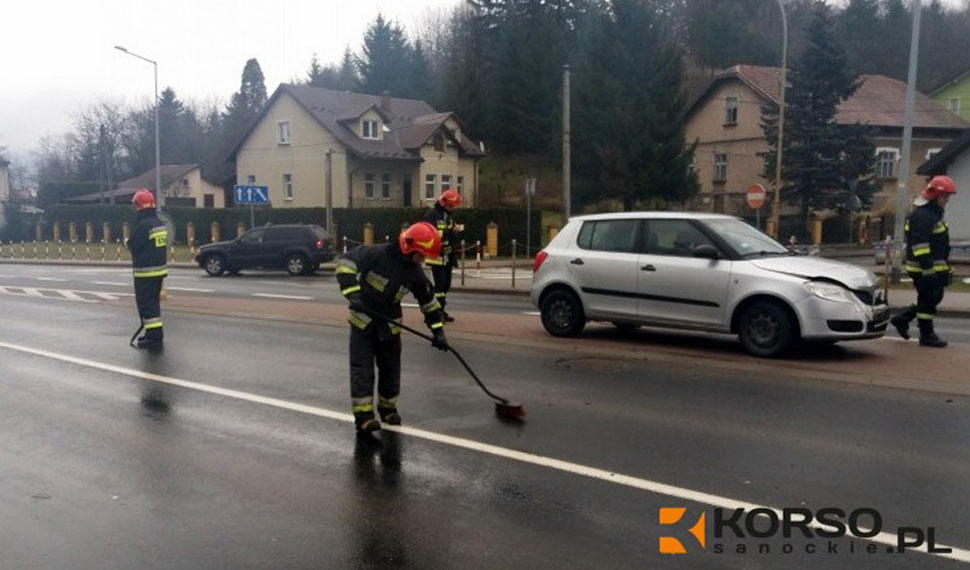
183 185
370 151
725 120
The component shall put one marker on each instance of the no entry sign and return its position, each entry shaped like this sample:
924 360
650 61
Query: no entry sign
756 196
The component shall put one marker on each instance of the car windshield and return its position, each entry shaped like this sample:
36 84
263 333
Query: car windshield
745 239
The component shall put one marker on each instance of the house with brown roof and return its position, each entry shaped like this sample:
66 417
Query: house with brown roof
725 120
366 150
183 185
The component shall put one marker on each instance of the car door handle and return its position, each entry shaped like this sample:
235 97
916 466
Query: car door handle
577 261
648 267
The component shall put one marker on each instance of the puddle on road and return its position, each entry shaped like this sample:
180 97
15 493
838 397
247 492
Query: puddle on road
594 364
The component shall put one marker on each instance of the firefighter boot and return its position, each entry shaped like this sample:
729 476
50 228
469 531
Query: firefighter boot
149 342
366 422
901 324
390 416
927 337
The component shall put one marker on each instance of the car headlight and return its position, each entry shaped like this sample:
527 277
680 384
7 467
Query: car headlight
830 292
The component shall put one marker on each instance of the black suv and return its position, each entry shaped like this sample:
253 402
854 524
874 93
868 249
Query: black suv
300 249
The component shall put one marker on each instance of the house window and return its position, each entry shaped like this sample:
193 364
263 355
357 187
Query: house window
369 185
386 186
461 185
430 181
720 167
287 186
439 143
730 111
209 200
886 162
251 179
370 130
445 182
955 105
283 132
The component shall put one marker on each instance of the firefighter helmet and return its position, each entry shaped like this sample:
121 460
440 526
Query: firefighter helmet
423 238
143 199
450 198
939 185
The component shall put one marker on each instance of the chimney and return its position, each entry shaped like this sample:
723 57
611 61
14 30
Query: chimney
386 101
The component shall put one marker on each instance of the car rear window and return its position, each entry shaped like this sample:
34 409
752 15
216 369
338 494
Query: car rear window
609 235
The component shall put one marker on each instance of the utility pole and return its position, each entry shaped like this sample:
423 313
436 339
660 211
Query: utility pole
329 190
566 165
903 177
775 221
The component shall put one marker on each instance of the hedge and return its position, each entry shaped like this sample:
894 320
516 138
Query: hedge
349 221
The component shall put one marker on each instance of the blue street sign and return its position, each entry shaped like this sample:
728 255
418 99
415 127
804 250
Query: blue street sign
251 194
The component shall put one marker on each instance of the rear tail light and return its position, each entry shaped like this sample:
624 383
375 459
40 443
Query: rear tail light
540 257
321 244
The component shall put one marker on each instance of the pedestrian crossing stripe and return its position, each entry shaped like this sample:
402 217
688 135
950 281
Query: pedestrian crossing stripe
62 294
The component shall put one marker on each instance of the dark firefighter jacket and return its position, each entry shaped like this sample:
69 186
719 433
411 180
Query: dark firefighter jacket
927 241
380 276
148 244
438 217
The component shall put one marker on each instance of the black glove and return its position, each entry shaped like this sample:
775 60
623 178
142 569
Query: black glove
946 279
357 304
438 340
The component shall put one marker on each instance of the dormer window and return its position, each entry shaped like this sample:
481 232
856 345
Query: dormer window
370 129
439 143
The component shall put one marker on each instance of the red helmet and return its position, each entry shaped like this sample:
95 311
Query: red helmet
423 238
450 198
939 185
143 199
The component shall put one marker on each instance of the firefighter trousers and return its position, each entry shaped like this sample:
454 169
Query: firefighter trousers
929 294
148 293
442 281
367 349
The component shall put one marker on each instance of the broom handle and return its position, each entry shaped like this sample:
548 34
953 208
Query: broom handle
450 349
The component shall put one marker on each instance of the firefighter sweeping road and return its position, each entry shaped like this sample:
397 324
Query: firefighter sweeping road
234 447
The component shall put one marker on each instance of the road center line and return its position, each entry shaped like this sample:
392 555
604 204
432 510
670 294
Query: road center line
190 289
50 279
272 296
884 538
113 284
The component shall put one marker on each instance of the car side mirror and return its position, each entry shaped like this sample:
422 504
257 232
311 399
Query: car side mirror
706 251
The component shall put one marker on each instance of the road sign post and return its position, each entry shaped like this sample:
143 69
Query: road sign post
530 190
252 195
756 199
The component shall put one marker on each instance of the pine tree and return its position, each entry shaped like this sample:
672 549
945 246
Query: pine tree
630 132
822 159
244 106
384 61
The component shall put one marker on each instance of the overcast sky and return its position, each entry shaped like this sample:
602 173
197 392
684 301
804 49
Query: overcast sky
58 56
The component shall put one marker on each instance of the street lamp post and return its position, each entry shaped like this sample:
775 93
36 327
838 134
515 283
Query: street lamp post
773 225
159 195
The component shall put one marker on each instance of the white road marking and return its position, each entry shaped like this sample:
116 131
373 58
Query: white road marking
50 279
272 296
884 538
31 292
60 294
72 296
190 289
532 313
111 283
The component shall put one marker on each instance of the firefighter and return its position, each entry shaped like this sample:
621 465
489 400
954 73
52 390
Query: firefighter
441 216
927 260
374 279
149 253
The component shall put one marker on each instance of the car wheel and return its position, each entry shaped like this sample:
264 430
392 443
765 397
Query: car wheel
562 314
215 265
767 330
626 328
296 264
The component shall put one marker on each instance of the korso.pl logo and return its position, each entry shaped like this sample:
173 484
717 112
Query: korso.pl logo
798 528
673 516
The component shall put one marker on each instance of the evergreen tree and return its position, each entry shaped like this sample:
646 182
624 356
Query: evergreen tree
822 160
384 61
630 142
859 26
315 75
245 105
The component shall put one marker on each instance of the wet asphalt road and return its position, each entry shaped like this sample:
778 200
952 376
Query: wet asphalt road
105 468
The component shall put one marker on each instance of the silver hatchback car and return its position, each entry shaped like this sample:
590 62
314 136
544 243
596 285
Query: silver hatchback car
705 272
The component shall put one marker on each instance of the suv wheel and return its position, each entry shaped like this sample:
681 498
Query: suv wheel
562 314
215 265
766 329
296 264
